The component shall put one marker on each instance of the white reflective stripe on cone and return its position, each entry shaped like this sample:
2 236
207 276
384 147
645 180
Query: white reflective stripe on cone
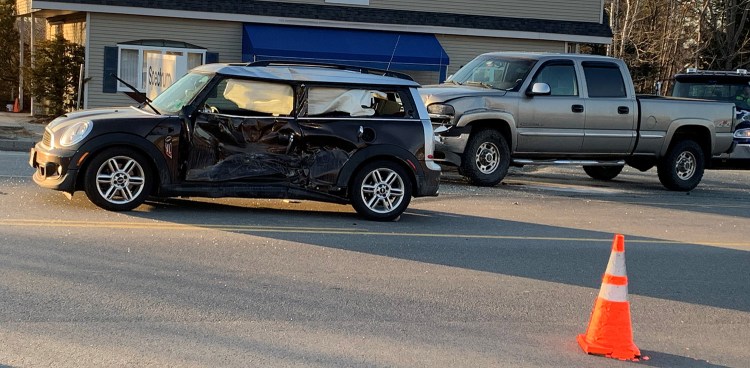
614 293
616 265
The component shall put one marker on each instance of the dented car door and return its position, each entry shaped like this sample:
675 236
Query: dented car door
245 132
338 121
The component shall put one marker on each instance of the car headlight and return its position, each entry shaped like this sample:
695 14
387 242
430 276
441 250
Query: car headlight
441 113
75 133
742 133
441 109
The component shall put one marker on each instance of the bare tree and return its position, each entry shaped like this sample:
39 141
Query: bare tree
658 38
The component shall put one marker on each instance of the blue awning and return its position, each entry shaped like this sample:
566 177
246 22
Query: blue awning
372 49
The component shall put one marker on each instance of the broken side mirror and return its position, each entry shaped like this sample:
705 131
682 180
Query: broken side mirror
539 89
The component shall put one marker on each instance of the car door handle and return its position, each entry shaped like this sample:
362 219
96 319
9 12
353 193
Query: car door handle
576 108
623 110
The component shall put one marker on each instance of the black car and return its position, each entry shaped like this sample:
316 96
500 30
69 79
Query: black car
261 130
729 86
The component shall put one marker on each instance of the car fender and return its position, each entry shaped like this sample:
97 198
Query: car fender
372 152
97 144
470 117
690 123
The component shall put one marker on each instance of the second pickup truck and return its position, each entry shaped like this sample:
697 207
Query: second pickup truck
539 109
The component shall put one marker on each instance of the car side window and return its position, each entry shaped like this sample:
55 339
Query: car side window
560 76
250 98
603 79
352 102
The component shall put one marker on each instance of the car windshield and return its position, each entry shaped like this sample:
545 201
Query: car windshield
713 90
181 93
497 72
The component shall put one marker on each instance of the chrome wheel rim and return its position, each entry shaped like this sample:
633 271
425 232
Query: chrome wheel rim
487 158
686 165
382 190
120 179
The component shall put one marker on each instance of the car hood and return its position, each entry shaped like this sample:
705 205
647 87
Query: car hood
124 119
447 92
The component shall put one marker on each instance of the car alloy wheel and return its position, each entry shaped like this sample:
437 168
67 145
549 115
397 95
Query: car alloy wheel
120 179
381 190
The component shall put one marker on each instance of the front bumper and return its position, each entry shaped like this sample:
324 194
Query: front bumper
52 169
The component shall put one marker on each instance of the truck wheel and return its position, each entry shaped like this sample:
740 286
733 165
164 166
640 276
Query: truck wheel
381 191
118 179
603 172
486 158
682 168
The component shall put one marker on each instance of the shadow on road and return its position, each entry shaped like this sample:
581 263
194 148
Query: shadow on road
656 268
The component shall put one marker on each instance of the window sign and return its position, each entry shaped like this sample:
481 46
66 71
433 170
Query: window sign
161 72
152 69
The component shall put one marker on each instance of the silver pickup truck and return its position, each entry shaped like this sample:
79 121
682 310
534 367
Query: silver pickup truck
541 109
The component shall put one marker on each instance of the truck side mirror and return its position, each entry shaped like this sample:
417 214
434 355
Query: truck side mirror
539 89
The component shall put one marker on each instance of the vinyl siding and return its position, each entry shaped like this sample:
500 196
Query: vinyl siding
577 10
422 77
23 7
463 49
109 29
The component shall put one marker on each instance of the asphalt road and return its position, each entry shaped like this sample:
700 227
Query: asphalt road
476 277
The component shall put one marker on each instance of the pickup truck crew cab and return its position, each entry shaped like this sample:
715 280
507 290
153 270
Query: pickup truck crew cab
526 108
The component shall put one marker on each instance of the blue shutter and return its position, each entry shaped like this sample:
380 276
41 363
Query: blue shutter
212 57
109 83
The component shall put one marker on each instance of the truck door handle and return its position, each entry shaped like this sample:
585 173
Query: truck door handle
623 110
577 108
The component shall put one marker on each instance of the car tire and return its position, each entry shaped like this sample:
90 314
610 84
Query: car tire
682 168
381 191
603 172
118 179
486 158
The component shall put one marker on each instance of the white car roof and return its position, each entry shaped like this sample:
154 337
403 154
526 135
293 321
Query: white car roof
304 73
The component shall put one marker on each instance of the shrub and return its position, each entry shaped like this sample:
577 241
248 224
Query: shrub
54 76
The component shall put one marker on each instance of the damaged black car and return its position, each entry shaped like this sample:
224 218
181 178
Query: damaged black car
260 130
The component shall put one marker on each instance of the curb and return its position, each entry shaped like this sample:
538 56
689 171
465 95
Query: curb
18 145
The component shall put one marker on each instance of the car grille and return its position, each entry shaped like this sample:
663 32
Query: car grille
47 138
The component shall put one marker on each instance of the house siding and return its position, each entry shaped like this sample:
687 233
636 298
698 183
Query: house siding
23 7
578 11
224 38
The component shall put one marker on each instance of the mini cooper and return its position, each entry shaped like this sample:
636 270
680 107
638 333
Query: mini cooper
327 133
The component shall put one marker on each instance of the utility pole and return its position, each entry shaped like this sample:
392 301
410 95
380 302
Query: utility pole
31 53
21 26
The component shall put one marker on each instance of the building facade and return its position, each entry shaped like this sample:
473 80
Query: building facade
148 44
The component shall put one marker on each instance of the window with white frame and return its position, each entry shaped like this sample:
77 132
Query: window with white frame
133 65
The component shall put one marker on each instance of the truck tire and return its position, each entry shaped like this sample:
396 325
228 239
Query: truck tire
603 172
486 158
381 191
682 168
118 179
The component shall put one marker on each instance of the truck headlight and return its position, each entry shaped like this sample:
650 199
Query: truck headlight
742 133
441 113
74 133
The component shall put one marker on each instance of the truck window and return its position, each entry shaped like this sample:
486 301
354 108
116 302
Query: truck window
603 79
560 76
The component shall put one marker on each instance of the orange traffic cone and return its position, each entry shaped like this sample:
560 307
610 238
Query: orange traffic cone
609 332
16 107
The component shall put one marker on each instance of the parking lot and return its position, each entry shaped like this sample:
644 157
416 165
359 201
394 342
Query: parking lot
502 276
